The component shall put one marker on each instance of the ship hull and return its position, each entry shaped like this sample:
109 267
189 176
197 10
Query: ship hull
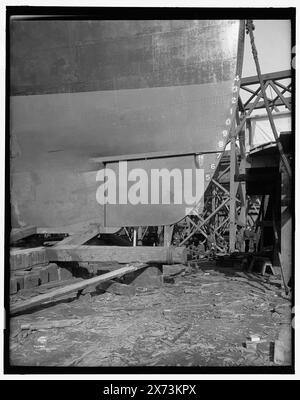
108 91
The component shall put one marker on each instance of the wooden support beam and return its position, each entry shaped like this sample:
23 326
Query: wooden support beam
261 104
252 106
232 203
139 236
285 88
279 94
254 80
81 237
241 188
203 233
145 231
121 254
224 190
134 241
223 172
286 227
75 287
202 222
20 233
243 210
250 134
252 96
242 138
240 104
127 233
168 233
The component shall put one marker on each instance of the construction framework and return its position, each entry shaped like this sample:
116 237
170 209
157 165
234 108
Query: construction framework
226 203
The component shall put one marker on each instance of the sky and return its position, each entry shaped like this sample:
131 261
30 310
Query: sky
273 43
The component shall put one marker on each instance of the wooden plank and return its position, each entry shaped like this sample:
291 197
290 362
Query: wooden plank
47 297
254 80
20 233
46 287
121 254
261 104
232 193
81 237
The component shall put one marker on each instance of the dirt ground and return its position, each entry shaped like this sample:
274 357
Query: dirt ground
203 318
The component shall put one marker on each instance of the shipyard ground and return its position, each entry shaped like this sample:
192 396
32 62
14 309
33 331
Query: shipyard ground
203 316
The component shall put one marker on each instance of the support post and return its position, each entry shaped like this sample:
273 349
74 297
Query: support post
213 206
232 204
242 170
134 236
140 236
250 135
168 233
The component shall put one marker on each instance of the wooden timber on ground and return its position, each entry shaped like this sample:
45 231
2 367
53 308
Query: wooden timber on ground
23 258
121 254
47 297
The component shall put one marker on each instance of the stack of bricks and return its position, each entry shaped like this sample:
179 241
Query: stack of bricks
30 268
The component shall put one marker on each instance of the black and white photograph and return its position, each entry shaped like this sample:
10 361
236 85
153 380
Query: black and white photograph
149 190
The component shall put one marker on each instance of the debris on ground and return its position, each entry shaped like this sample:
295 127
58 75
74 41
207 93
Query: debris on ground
208 316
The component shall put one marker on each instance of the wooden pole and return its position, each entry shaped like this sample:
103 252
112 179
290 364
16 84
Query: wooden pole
120 254
232 204
242 170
